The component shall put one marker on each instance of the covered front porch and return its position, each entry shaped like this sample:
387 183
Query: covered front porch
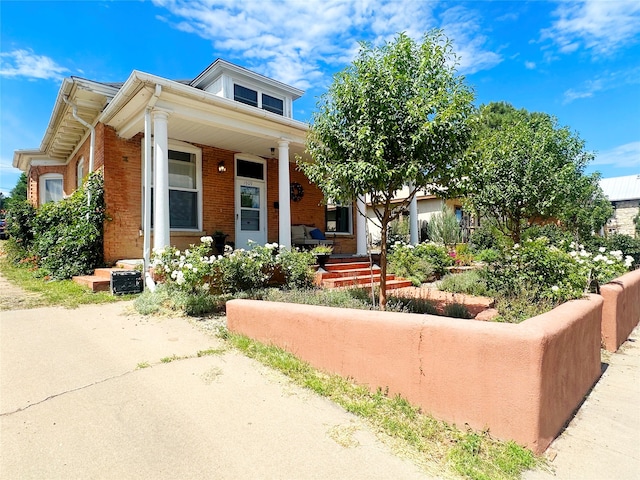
210 165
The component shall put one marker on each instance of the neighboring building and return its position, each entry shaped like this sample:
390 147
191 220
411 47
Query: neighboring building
427 205
219 151
624 195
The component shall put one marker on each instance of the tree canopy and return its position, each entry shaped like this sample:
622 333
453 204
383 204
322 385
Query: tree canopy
396 116
526 169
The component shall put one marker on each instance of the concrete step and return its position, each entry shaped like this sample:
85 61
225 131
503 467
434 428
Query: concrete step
93 282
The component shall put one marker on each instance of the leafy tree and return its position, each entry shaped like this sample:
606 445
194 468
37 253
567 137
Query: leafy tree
587 209
396 116
18 193
528 169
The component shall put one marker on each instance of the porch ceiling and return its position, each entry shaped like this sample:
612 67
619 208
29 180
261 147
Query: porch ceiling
202 118
68 131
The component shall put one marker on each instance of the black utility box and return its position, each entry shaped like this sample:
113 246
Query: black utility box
126 282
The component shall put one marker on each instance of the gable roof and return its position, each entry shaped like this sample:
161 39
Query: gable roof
618 189
102 101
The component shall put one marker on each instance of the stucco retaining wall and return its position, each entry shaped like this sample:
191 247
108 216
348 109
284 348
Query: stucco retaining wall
522 382
621 311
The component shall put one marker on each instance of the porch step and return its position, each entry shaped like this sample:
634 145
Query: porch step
350 281
93 282
100 281
334 267
354 272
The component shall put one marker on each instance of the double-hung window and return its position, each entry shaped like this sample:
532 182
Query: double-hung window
51 189
185 187
338 218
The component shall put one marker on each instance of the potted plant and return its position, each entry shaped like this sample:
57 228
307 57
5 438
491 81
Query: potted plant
219 238
322 254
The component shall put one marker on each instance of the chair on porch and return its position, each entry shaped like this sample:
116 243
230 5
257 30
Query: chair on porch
308 236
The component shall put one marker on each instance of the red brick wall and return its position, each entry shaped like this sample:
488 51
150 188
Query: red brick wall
123 195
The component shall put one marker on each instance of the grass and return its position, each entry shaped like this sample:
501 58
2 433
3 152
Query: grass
43 292
469 454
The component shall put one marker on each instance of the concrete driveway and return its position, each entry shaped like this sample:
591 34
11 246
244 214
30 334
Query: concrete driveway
75 404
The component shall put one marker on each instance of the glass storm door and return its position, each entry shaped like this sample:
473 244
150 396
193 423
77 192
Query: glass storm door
250 209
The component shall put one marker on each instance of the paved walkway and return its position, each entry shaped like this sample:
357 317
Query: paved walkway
75 404
602 442
84 394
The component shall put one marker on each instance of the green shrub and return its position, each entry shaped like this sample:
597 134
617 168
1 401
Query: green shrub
413 305
197 269
148 302
398 231
555 234
486 237
626 244
471 282
404 262
554 272
444 227
456 310
20 218
487 255
65 237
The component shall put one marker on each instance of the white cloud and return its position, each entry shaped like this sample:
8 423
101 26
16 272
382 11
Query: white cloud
463 27
530 65
296 41
25 63
603 82
622 156
596 25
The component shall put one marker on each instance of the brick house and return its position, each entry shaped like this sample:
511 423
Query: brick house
219 152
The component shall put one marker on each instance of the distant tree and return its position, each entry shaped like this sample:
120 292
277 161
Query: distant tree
527 169
18 193
3 199
586 209
396 116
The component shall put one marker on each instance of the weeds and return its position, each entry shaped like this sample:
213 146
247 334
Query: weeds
471 454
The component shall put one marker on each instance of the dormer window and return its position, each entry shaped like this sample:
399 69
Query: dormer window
245 95
256 99
272 104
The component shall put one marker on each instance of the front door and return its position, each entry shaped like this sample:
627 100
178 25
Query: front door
250 201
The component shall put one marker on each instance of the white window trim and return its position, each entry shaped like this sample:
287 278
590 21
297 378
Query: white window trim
350 232
42 185
80 172
260 90
179 146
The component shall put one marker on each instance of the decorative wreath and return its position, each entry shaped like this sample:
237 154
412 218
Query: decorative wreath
297 192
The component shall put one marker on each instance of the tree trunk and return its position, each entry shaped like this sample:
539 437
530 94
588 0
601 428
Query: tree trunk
383 263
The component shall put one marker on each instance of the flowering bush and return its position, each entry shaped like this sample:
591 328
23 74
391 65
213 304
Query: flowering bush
197 270
420 262
602 267
550 272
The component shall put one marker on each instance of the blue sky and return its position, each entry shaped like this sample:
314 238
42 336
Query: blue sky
579 61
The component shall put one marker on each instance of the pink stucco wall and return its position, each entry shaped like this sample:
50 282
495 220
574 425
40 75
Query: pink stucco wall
522 382
621 311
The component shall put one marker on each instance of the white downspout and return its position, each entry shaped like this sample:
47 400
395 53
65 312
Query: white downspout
92 142
147 190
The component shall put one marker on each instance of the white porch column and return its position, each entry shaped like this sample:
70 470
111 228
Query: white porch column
361 227
284 196
161 236
414 232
